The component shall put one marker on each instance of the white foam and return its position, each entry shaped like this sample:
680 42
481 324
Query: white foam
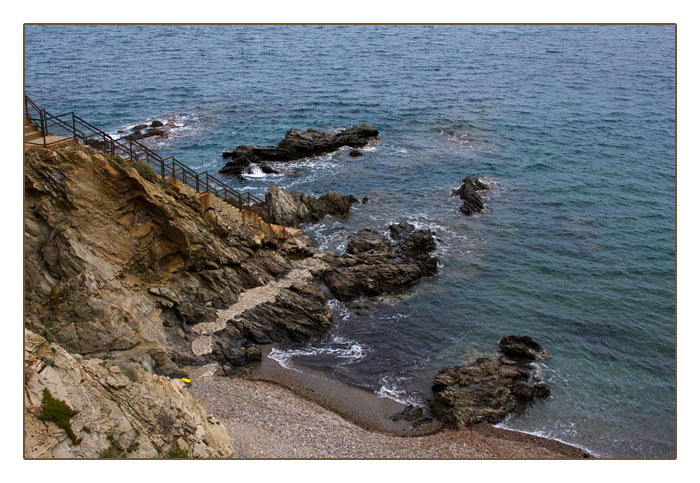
351 353
340 308
390 389
253 171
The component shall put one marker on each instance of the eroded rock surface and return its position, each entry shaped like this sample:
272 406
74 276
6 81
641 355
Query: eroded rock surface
374 264
468 191
122 410
122 267
487 388
298 144
289 208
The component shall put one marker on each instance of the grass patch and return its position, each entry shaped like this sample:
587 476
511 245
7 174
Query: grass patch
114 450
146 171
176 452
59 412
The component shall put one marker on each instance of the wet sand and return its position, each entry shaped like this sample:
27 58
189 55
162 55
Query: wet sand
280 413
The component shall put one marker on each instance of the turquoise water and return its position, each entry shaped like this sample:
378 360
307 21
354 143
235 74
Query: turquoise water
574 126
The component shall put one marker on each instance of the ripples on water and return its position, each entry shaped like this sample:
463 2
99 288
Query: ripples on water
572 125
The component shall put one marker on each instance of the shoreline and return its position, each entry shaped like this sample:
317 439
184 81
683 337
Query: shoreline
279 413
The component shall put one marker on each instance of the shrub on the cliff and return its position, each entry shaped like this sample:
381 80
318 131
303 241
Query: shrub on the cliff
176 452
59 412
146 171
114 450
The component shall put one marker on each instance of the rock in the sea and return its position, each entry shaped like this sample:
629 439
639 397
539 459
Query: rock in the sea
289 208
487 388
374 265
355 153
298 144
468 191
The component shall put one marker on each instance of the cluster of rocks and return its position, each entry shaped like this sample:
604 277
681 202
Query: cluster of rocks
374 264
143 131
298 144
289 208
468 191
487 388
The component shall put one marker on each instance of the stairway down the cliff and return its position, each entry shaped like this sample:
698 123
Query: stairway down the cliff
42 129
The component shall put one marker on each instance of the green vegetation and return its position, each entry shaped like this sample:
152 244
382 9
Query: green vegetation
114 450
146 171
60 413
56 298
175 452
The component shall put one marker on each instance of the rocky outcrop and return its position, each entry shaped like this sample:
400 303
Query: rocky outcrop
488 388
121 267
298 144
374 264
119 410
157 129
289 208
468 191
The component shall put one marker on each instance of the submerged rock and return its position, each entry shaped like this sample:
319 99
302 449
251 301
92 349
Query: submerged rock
298 144
289 208
487 388
374 265
468 191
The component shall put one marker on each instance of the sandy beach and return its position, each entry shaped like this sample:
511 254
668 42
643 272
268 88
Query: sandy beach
268 420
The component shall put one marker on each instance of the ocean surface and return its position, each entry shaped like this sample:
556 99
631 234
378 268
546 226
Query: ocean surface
573 126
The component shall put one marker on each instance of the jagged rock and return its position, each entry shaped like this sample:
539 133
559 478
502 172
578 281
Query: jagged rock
118 266
468 191
298 144
289 208
487 388
372 265
157 124
121 410
355 153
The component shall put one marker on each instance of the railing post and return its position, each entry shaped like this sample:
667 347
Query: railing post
75 134
173 168
42 118
162 168
196 182
207 181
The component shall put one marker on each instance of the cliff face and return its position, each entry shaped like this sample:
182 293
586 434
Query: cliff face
128 276
120 410
121 264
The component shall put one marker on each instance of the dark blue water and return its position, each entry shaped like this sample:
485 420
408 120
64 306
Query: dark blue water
572 125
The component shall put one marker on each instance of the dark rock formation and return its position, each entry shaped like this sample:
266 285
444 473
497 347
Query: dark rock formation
298 144
374 265
355 153
468 191
289 208
157 124
487 388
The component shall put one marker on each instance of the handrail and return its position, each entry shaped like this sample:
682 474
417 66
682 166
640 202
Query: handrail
134 150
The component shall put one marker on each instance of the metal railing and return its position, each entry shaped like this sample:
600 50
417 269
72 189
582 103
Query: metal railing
70 125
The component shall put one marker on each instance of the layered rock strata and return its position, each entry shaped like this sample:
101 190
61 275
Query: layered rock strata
289 208
119 409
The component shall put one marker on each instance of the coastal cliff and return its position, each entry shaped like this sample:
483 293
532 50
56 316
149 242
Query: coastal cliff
139 272
133 283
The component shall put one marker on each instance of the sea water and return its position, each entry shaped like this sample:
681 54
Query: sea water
572 126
